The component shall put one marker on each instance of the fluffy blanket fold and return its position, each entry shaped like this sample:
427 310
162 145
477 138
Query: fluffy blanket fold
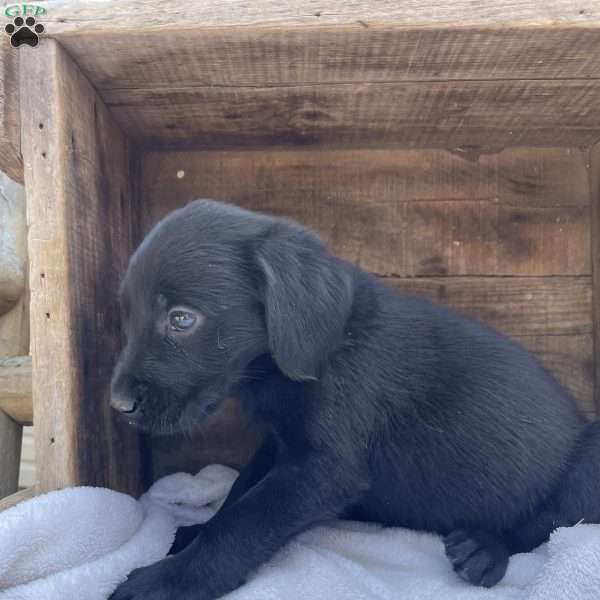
80 543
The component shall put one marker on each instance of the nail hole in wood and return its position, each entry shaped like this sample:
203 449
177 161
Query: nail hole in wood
43 275
52 440
41 126
47 315
43 154
582 11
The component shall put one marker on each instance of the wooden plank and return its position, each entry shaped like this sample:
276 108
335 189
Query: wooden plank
249 56
89 16
17 497
594 171
13 243
519 212
515 306
419 115
10 458
79 215
10 133
15 389
28 472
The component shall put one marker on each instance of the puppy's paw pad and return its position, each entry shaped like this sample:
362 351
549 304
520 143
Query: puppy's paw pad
477 556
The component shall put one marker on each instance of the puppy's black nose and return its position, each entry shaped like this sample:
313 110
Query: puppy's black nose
123 403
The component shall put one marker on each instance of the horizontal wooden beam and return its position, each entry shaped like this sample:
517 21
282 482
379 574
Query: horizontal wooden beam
18 497
91 16
15 389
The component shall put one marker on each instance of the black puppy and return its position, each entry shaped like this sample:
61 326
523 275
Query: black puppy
380 406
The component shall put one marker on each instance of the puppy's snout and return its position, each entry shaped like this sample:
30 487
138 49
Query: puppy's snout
127 396
123 403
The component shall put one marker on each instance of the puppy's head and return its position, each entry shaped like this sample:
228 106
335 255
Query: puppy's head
210 289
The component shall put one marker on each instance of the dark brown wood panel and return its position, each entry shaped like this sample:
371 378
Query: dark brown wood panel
515 306
266 56
404 213
414 115
79 201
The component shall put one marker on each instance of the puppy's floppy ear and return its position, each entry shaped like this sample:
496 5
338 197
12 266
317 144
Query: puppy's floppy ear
307 295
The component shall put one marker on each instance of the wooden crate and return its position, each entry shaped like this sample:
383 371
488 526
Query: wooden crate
449 148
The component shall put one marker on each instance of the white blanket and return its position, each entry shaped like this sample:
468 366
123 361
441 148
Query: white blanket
78 544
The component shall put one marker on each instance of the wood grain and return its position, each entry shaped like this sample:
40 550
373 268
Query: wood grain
13 243
515 306
15 389
594 172
90 16
403 213
366 115
265 56
17 497
10 133
77 165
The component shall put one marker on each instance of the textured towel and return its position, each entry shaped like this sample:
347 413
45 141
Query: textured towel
79 544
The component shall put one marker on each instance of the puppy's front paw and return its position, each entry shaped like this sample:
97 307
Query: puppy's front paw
477 556
164 580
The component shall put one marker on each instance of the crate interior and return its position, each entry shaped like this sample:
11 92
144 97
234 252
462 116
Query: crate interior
457 164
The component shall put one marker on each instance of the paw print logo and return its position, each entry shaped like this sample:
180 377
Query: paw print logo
24 31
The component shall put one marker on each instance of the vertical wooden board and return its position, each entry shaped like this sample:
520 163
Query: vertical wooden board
10 133
79 211
404 213
594 171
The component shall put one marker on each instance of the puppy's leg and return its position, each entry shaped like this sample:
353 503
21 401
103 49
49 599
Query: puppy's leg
477 556
260 464
298 493
576 499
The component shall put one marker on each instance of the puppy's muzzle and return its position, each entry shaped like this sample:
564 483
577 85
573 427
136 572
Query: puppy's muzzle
127 395
123 403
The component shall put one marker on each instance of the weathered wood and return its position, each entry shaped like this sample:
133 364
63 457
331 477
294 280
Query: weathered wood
516 306
10 134
28 472
12 243
77 179
15 389
235 57
87 17
17 497
14 324
10 457
405 213
594 171
419 115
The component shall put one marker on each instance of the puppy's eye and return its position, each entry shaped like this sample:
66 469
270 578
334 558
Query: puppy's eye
182 320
